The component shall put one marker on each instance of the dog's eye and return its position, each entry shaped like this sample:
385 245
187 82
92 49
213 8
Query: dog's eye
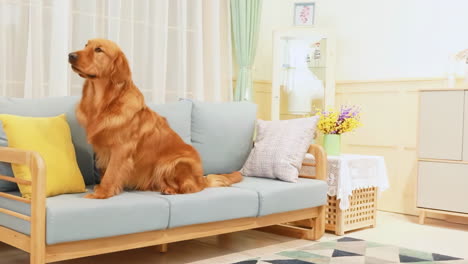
98 50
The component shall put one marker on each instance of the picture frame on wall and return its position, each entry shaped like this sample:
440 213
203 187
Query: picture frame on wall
304 14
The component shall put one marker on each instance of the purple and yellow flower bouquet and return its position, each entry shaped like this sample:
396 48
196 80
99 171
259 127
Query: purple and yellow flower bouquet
334 123
339 122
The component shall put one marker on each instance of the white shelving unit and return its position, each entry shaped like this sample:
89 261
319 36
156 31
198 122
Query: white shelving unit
324 70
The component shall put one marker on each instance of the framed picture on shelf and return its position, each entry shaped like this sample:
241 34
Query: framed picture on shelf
304 14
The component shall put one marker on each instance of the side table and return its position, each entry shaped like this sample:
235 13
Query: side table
354 182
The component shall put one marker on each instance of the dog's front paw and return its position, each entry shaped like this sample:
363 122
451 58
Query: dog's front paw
96 196
89 196
168 191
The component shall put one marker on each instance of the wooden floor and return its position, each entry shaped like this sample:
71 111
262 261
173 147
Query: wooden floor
436 236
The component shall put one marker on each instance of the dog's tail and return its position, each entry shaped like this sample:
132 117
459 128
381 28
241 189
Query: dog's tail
223 180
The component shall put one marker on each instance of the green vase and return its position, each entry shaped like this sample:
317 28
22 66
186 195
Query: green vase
332 144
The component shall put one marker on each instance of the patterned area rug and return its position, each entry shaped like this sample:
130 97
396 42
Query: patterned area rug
349 250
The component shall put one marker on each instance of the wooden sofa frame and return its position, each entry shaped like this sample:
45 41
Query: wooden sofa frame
306 223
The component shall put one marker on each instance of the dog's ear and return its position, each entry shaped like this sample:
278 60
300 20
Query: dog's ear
120 71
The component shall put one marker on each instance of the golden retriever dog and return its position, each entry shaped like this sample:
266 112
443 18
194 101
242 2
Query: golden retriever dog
135 147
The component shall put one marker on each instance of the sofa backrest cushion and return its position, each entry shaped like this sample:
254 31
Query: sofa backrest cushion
223 133
54 106
5 168
178 115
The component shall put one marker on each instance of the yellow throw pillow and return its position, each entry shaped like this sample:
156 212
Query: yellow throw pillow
51 138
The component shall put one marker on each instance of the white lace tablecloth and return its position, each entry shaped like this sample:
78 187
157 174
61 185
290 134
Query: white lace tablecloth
349 172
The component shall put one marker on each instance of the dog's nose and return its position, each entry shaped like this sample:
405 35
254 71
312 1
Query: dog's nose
72 57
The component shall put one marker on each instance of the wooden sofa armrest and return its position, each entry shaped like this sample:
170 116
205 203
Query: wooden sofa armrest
38 197
311 228
320 163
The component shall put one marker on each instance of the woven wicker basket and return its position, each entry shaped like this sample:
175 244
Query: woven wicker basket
361 213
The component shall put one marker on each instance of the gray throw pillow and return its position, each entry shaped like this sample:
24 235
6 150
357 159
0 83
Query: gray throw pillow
279 148
5 168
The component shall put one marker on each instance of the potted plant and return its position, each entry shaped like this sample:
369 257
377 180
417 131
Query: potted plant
334 123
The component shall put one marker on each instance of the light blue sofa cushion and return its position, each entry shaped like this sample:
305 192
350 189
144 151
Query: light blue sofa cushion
178 115
222 133
53 106
5 168
210 205
71 217
279 196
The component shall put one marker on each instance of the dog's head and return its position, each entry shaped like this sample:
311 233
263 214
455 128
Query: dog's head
100 59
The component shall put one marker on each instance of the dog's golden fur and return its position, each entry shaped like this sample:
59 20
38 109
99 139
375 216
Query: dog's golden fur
135 147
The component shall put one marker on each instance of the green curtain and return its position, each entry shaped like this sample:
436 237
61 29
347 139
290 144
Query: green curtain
245 17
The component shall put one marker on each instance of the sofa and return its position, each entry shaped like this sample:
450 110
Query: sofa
69 226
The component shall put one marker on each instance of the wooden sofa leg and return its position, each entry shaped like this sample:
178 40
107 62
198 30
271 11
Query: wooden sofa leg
37 257
319 224
37 253
38 246
162 248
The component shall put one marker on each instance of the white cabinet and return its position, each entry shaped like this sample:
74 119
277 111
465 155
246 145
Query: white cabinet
443 186
441 125
465 129
443 152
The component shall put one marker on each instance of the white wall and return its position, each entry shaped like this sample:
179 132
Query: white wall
377 39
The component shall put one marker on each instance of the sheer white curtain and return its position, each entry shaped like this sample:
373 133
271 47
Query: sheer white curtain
176 48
